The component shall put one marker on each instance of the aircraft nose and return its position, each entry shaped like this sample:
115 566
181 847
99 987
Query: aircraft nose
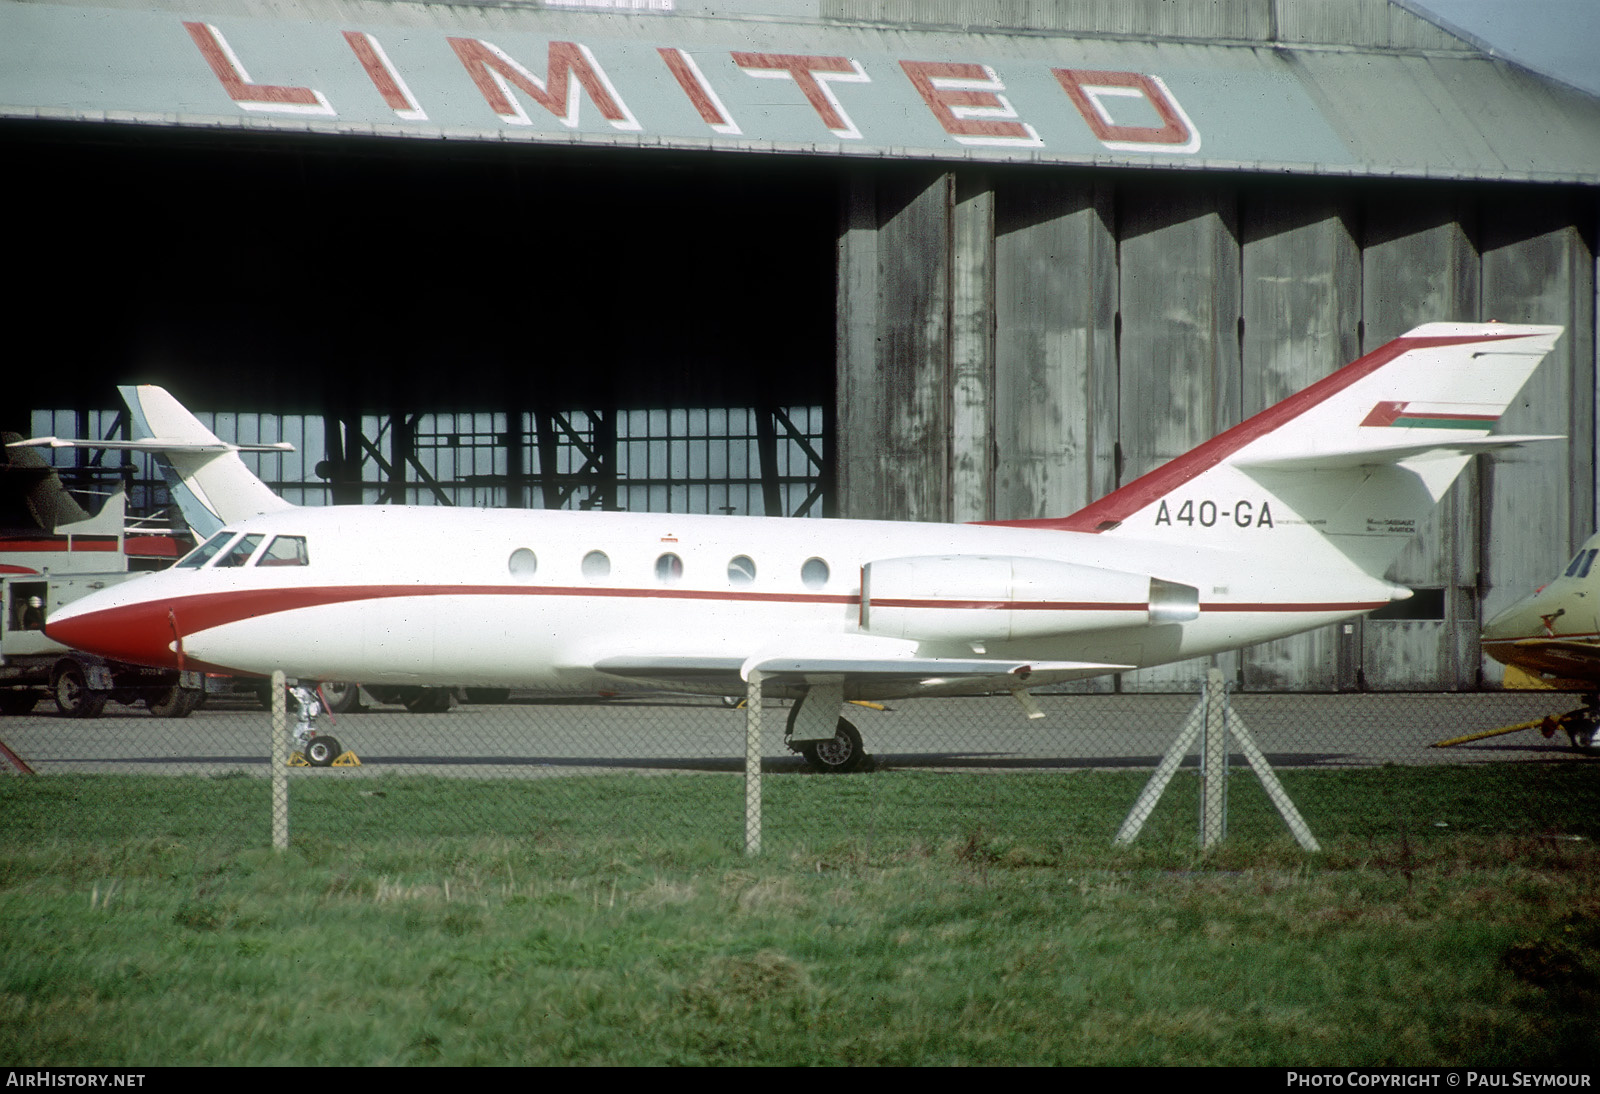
141 633
1526 618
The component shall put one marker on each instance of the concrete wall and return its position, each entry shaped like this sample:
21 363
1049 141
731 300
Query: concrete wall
1016 344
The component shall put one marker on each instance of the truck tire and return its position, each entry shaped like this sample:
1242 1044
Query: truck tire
173 702
341 698
74 697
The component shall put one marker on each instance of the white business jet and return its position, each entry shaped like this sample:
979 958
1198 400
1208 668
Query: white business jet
1286 522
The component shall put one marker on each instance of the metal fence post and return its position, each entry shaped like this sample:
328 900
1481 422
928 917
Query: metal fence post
1214 763
752 765
280 771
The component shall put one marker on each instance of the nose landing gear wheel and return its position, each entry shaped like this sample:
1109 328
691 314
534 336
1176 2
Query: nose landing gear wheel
322 751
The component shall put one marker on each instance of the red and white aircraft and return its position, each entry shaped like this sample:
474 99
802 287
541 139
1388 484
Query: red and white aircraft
1283 523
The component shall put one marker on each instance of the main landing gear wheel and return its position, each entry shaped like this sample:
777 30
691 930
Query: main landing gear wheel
322 751
174 702
842 754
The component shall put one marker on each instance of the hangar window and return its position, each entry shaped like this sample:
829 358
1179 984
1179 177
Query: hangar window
285 551
523 564
205 552
741 570
669 569
814 574
596 565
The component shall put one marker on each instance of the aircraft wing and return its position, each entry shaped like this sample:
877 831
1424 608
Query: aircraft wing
1570 657
864 677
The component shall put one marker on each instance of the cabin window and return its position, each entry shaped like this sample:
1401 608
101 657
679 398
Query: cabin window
669 569
814 574
596 565
741 570
285 551
205 552
523 564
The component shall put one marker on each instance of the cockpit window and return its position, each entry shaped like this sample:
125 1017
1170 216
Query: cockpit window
239 553
285 551
205 552
1579 566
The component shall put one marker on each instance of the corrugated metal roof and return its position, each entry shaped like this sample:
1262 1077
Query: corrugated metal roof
1212 86
1361 23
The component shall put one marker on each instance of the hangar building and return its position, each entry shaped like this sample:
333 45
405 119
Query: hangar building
954 260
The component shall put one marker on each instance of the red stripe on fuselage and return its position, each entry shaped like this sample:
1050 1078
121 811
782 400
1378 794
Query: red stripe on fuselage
147 632
1121 504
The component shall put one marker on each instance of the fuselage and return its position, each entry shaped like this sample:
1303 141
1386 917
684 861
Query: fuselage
421 595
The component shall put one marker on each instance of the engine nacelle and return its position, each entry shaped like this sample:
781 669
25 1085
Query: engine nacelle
992 598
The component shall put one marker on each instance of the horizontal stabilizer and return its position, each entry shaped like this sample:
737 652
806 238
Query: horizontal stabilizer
1377 455
154 444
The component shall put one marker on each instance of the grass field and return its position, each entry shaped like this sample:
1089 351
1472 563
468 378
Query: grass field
1452 918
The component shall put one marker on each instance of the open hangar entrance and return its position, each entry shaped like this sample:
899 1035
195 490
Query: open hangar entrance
442 323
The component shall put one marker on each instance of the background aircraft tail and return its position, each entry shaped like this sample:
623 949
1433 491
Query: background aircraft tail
208 480
1346 470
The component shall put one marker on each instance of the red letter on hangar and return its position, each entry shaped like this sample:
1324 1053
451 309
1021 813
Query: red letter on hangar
269 98
1089 89
495 73
813 75
966 100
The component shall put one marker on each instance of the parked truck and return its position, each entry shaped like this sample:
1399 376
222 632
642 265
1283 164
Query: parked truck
32 664
40 571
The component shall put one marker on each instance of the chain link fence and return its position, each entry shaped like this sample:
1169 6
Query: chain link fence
668 770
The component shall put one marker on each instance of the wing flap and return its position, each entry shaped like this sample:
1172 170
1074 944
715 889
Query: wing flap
928 671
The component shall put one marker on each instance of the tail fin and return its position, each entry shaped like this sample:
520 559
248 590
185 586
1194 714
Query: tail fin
1352 463
207 478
